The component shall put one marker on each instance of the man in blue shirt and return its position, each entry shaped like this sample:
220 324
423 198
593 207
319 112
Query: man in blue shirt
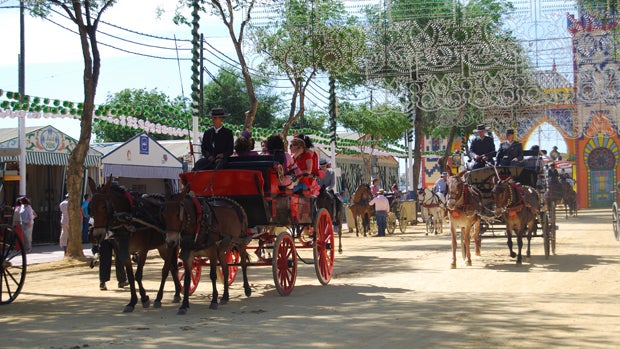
85 218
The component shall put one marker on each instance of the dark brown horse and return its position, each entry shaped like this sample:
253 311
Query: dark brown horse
115 210
464 203
333 205
208 227
519 205
569 199
360 207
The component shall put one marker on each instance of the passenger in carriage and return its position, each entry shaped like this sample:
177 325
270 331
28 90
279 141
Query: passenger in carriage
275 146
374 188
304 161
534 160
482 148
315 156
243 145
511 151
217 143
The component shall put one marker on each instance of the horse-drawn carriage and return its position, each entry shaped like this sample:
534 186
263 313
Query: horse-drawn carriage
12 258
518 182
305 222
359 212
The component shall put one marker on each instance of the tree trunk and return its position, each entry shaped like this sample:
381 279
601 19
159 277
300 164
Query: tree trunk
75 170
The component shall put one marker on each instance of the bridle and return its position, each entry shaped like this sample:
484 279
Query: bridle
115 219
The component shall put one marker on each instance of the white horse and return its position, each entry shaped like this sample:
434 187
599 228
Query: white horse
435 205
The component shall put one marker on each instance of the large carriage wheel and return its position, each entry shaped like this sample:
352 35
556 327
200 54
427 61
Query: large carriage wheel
615 220
284 264
546 232
232 257
323 247
195 274
431 225
13 267
391 223
402 219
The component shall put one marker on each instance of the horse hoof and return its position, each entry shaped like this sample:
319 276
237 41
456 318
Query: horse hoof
248 292
146 304
128 309
469 263
213 306
182 311
453 266
513 255
157 305
176 299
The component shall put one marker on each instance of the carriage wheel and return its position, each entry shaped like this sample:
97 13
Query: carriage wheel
430 225
194 277
13 268
284 264
323 247
553 229
391 223
615 221
544 222
402 219
232 257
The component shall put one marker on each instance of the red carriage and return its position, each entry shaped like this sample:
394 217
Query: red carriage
252 182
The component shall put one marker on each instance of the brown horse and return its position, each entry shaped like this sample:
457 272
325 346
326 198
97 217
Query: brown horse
115 210
519 205
464 202
208 227
569 199
360 207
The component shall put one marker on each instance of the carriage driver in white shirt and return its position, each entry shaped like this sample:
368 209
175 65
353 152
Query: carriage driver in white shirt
441 186
382 208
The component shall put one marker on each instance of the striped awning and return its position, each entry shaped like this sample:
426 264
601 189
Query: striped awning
53 159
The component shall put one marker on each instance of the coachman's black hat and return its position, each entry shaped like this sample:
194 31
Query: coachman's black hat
218 112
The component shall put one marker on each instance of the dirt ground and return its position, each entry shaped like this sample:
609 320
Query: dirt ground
393 292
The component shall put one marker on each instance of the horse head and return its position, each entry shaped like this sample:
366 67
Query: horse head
175 213
362 195
109 205
455 192
502 194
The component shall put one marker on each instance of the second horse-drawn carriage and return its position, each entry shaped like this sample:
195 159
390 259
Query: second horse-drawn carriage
525 190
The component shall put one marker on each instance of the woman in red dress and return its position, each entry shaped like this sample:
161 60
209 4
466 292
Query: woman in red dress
303 159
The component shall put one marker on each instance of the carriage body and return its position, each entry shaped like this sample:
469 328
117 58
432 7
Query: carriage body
280 222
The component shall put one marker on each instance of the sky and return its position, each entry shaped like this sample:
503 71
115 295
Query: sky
54 64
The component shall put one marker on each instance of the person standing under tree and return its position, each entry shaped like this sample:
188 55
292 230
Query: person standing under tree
64 223
85 218
382 208
27 216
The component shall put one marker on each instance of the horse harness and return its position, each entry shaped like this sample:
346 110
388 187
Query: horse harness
463 193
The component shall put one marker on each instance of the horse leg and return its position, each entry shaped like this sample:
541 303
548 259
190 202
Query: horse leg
466 231
509 242
132 286
243 254
476 235
169 256
225 274
213 277
453 231
520 245
187 258
144 298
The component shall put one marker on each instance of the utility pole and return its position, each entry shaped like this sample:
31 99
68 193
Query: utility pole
21 128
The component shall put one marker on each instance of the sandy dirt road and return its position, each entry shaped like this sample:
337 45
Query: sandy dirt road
393 292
